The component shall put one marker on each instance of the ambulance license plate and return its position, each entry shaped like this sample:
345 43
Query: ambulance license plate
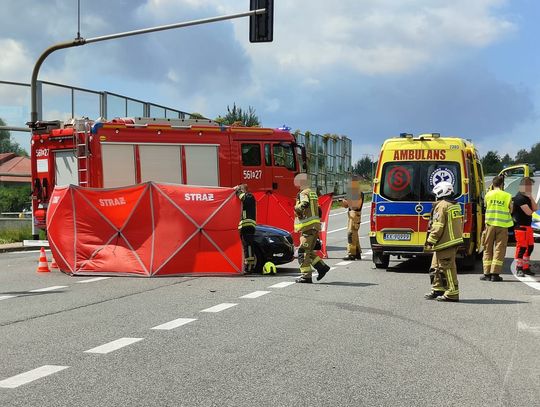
397 236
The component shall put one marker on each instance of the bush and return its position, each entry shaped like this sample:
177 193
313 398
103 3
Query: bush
14 199
18 235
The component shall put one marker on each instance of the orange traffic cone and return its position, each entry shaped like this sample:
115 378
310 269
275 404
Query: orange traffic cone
43 266
53 263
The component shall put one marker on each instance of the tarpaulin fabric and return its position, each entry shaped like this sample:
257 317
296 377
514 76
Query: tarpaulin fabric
148 229
277 210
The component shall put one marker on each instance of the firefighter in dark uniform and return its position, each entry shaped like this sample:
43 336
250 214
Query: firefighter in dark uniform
308 223
445 234
247 226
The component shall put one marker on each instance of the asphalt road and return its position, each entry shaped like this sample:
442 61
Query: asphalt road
360 337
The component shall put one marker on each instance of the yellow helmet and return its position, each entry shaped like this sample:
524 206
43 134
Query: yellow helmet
269 267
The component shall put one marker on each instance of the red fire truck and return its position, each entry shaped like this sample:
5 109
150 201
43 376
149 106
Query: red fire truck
126 151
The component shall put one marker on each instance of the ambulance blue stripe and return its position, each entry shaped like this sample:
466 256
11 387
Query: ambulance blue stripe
386 207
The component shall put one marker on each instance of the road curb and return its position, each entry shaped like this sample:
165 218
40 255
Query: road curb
15 248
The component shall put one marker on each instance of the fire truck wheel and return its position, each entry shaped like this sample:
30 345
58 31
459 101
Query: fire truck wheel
380 260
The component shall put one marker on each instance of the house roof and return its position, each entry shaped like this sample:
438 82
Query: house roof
14 168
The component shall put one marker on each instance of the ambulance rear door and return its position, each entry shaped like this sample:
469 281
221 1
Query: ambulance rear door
513 176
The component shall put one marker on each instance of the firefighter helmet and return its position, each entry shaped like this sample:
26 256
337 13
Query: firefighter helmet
442 189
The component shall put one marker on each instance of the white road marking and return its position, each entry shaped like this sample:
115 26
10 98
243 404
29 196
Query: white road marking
5 297
42 290
363 223
336 230
343 263
256 294
332 268
336 214
530 281
219 307
91 280
30 376
283 284
522 326
114 345
174 324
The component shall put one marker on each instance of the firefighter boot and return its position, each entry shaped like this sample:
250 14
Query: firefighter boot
304 279
433 295
486 277
322 269
496 277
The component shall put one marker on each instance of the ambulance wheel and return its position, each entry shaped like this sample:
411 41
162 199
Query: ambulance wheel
380 260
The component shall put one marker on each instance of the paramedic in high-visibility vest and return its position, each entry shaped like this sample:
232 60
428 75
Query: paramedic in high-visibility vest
308 223
247 226
445 234
495 235
524 207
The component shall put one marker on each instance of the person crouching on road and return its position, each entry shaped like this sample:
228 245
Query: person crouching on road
247 226
524 206
495 235
308 223
445 234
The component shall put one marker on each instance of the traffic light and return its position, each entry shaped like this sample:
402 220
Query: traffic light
261 26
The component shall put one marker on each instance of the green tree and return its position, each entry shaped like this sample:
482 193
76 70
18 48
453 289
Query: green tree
363 167
8 146
14 199
196 115
507 160
237 116
491 162
534 155
522 157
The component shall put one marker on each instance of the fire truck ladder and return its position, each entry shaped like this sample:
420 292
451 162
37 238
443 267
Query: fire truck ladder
81 136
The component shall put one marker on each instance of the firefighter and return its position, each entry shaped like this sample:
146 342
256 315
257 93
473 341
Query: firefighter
495 235
445 234
354 204
524 206
308 223
247 226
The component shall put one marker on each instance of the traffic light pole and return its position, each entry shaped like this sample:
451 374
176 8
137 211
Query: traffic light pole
82 41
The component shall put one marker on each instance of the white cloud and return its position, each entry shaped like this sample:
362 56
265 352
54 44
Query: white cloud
15 60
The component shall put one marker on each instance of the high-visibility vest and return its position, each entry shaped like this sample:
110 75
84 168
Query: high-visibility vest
307 211
497 208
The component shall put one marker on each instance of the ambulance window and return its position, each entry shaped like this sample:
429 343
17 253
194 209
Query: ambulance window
267 155
284 156
251 154
436 172
399 181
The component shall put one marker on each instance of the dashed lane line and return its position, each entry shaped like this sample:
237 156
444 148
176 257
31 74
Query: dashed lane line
5 297
343 263
531 282
30 376
42 290
91 280
220 307
174 324
283 284
256 294
114 345
336 230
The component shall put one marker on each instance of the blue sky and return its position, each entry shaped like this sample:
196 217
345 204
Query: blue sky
368 69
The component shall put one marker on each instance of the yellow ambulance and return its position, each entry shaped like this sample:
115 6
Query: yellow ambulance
408 169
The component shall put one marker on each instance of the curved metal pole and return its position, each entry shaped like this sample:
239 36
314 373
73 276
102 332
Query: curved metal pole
35 72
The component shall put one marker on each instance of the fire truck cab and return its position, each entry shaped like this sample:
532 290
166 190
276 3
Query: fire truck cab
126 151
